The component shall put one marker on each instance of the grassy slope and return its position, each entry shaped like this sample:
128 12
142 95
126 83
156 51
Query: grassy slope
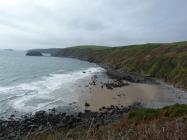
141 124
164 61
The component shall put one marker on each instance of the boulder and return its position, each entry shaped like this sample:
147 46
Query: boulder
87 104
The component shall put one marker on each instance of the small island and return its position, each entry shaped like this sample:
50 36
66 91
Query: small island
9 50
33 53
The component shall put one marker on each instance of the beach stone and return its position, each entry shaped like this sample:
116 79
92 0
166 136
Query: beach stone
87 111
87 104
40 114
42 120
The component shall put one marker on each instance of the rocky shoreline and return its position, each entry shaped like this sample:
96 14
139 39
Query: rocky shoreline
112 70
131 77
18 128
12 128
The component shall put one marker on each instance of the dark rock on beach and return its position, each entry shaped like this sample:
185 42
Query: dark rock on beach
131 77
87 104
115 84
93 80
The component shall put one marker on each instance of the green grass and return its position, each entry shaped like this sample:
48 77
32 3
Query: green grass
168 112
163 61
174 111
142 114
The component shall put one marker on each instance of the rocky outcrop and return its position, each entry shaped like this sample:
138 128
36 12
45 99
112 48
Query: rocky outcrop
33 53
41 121
115 84
131 77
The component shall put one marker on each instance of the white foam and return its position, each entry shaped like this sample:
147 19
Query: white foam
41 90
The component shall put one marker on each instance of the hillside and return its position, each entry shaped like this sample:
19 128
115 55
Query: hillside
163 61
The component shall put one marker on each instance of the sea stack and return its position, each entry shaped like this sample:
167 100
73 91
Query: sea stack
33 53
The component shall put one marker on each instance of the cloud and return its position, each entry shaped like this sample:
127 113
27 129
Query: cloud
60 23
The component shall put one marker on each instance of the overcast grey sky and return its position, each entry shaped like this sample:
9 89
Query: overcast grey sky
26 24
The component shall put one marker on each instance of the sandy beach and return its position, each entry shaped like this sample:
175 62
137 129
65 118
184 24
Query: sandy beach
150 95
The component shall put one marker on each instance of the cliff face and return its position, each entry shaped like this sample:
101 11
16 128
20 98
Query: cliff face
163 61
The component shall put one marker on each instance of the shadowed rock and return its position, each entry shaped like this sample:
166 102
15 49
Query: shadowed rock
34 53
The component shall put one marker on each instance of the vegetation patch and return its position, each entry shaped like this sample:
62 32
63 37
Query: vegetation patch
169 112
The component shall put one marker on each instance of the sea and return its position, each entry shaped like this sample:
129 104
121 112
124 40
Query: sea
28 83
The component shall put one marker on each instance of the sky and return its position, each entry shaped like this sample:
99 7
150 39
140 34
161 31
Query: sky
28 24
